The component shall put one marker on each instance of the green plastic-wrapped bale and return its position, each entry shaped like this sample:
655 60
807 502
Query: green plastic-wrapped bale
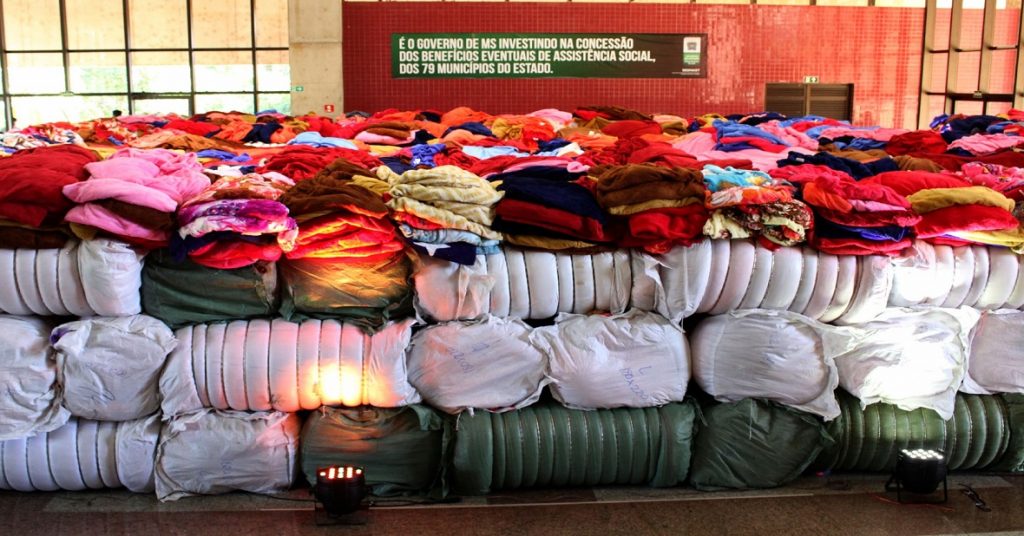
182 293
868 439
549 445
754 444
400 449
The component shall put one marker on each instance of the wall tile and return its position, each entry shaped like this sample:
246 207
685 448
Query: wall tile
878 50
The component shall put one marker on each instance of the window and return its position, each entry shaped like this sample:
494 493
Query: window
71 60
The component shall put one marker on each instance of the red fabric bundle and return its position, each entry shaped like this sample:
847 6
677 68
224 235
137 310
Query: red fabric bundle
964 218
231 254
908 182
853 246
631 128
657 231
199 128
919 141
805 173
31 182
830 195
555 220
302 162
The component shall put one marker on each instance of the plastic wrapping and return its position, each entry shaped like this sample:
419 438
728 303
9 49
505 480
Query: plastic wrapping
635 359
400 450
774 355
913 358
263 365
83 454
754 444
488 364
29 401
549 445
210 452
108 368
188 293
363 290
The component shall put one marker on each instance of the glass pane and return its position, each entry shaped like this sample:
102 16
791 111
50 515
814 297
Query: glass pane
95 24
35 73
162 106
224 103
784 2
222 24
273 72
160 72
842 2
272 23
224 71
34 110
158 23
98 72
32 24
281 102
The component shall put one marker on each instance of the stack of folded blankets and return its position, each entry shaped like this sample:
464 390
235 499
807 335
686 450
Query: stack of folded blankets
853 217
32 205
548 205
753 204
348 259
954 212
236 222
444 211
133 195
661 207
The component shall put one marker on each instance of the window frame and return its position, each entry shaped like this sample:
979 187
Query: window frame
131 95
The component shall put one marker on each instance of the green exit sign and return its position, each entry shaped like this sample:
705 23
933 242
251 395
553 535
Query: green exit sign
299 89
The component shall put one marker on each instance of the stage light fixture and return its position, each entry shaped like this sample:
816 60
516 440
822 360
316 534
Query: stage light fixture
340 491
919 471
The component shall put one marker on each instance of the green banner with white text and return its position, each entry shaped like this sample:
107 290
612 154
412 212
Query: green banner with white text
548 55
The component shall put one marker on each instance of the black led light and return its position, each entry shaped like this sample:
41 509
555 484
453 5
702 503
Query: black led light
919 471
341 492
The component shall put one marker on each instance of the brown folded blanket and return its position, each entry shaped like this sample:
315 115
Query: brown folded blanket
638 183
342 169
149 218
12 237
618 113
321 194
910 163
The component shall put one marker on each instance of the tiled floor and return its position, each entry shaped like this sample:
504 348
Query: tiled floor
848 504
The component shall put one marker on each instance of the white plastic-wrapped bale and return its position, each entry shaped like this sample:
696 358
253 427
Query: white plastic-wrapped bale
211 452
872 287
673 283
452 291
488 364
996 363
108 368
912 358
87 278
921 275
635 359
773 355
263 365
83 454
525 284
29 402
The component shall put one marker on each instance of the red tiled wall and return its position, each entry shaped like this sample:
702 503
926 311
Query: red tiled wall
876 49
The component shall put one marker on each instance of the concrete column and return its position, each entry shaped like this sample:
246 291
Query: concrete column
314 41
